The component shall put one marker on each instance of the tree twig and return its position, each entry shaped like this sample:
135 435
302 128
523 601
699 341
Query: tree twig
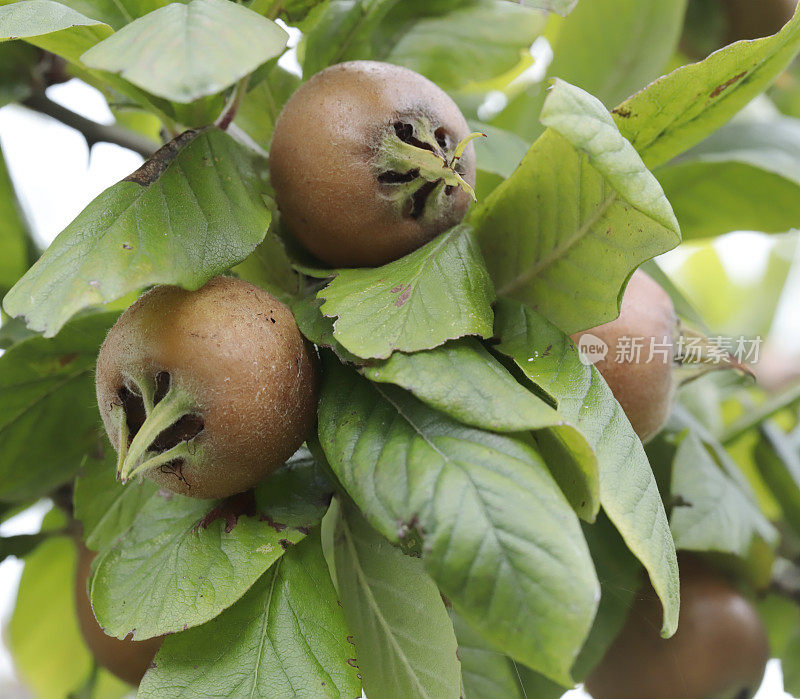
92 131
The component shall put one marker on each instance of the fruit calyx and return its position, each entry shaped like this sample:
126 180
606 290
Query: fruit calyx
418 162
164 436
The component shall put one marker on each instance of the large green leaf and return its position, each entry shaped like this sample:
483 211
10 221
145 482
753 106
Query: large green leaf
403 636
463 380
680 109
437 293
628 491
15 241
191 212
472 43
610 48
48 409
745 176
44 638
185 52
567 229
105 508
182 562
285 638
712 513
68 33
498 536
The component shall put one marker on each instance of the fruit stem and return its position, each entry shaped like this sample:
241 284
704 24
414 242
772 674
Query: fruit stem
432 166
166 413
123 434
179 451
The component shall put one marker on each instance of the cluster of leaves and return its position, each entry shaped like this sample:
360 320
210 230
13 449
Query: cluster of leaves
475 499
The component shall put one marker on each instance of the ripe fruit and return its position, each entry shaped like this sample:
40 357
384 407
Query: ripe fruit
366 163
206 392
128 660
643 384
720 648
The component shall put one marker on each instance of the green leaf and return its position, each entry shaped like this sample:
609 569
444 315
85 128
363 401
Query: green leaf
16 248
790 664
628 491
285 638
190 213
498 536
403 636
598 214
207 556
339 30
48 409
486 672
44 638
620 578
610 48
680 109
745 176
298 493
68 33
105 508
711 512
464 381
269 267
116 13
778 462
470 44
437 293
262 104
184 52
17 65
318 328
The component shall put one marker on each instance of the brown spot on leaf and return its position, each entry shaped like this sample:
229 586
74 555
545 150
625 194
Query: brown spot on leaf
403 296
719 89
623 112
243 504
152 169
277 526
67 359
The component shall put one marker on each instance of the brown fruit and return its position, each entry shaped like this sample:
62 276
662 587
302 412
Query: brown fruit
128 660
644 386
206 391
720 649
362 163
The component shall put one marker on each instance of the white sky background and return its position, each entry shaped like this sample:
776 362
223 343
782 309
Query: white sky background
56 177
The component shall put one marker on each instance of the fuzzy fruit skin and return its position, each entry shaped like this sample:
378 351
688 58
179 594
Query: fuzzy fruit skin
323 162
645 388
128 660
720 649
253 380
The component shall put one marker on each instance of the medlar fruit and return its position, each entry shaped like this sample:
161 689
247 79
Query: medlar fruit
128 660
206 392
720 648
638 364
369 161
